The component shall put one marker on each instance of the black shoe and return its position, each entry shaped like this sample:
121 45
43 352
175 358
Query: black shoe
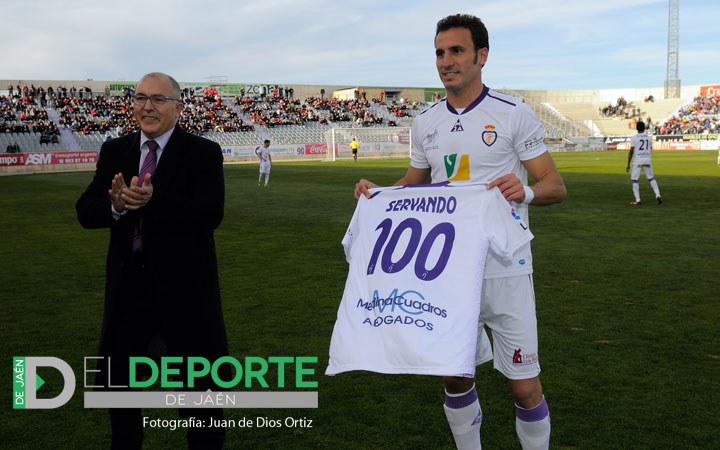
659 199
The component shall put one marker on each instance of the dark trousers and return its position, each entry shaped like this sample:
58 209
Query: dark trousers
137 331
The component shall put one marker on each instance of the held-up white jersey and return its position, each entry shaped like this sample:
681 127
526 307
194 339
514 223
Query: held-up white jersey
412 295
488 139
643 149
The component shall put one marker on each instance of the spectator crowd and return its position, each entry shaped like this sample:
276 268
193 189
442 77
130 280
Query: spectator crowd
21 113
702 116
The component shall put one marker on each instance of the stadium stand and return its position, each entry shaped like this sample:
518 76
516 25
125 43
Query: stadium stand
701 116
615 125
47 119
555 123
25 123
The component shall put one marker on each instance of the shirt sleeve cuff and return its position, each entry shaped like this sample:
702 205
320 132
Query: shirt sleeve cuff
117 215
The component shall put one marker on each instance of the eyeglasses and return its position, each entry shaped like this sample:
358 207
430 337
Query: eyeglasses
157 99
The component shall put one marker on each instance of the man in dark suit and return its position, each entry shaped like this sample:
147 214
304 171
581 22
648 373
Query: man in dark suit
161 192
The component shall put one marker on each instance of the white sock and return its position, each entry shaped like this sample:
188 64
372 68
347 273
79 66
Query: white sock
267 178
655 187
465 417
533 426
636 190
260 178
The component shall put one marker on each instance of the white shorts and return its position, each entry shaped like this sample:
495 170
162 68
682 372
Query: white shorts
508 309
483 349
264 167
635 173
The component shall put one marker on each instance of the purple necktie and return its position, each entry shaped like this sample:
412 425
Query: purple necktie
148 166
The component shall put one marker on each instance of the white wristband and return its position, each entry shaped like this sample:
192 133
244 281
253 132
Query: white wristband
529 194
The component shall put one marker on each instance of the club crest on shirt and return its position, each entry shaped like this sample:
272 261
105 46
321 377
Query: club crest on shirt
431 141
489 136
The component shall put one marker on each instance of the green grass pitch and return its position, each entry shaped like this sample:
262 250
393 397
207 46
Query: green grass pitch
627 300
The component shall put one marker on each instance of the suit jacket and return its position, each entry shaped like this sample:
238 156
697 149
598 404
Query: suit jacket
177 235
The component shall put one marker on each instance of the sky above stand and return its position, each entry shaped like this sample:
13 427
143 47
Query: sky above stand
549 44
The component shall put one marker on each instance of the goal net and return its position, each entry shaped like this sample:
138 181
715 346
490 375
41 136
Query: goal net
374 142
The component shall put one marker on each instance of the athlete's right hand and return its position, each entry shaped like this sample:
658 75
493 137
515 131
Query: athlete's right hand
362 186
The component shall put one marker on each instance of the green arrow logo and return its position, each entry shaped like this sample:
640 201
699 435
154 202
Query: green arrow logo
38 382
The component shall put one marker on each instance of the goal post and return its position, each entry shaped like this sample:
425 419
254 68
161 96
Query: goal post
373 142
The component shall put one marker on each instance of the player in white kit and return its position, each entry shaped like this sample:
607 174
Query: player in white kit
641 145
263 154
481 135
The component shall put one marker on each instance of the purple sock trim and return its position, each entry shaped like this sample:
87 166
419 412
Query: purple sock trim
536 414
462 401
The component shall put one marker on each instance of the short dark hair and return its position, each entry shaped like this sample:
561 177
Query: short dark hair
267 141
640 126
477 29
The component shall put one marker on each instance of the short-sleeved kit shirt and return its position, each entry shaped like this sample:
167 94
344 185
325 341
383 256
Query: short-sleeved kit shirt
414 286
264 153
488 139
642 143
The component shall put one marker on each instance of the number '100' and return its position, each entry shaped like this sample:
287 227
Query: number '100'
445 229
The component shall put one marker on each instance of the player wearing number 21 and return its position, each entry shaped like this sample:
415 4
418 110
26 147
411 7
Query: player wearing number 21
641 145
478 134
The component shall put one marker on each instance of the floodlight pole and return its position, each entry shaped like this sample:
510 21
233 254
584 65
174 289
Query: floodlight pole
672 80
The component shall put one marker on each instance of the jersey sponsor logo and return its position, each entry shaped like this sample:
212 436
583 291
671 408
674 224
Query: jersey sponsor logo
409 302
489 136
431 141
458 127
532 143
517 217
527 359
457 170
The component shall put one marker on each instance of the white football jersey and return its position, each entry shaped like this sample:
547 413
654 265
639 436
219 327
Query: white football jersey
263 152
488 139
643 149
412 295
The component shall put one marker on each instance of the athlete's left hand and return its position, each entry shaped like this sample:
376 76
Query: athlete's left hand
510 187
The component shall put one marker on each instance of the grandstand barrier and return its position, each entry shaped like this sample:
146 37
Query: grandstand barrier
69 161
373 142
669 142
279 152
37 162
575 144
